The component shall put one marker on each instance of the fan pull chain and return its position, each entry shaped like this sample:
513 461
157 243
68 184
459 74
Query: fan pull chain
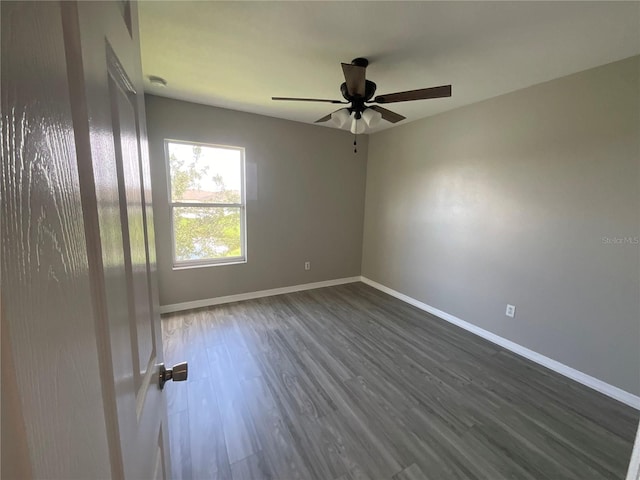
355 143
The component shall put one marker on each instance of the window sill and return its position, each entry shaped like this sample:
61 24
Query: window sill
189 266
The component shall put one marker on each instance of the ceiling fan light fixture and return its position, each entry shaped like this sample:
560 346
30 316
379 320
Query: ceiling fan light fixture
357 126
340 117
371 117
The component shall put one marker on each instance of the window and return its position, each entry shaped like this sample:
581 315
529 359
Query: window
206 184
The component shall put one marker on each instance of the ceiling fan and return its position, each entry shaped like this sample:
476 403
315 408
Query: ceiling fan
358 91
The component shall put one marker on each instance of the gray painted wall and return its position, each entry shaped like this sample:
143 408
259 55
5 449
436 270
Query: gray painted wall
305 200
508 201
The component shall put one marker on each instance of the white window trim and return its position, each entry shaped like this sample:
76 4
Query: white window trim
208 262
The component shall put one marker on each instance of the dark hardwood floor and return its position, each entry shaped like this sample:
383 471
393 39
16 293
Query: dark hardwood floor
349 383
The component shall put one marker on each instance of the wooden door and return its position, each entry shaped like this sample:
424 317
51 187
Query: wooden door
81 249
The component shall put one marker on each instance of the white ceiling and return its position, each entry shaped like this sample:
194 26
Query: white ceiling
239 54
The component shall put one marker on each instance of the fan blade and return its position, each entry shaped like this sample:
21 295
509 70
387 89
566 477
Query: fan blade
307 100
388 115
354 76
421 94
323 119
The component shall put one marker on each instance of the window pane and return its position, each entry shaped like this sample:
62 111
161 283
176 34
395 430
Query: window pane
204 174
207 232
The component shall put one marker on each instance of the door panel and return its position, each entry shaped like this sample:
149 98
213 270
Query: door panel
124 116
116 137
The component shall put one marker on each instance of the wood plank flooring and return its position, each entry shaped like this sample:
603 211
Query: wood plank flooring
348 383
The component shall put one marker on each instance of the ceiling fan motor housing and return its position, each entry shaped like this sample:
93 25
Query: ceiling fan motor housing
357 100
360 62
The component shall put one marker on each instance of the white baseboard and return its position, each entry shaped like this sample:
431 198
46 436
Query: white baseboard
207 302
592 382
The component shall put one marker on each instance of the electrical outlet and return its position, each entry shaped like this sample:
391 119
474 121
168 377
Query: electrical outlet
307 265
511 311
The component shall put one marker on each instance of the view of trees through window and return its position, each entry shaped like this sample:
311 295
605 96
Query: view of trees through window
206 202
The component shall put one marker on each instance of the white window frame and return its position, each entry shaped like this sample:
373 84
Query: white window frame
208 262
